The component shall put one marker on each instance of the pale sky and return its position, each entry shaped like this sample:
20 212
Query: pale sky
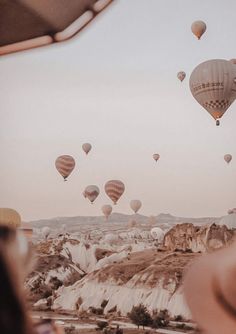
115 86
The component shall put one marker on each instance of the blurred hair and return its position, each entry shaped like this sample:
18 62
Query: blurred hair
13 314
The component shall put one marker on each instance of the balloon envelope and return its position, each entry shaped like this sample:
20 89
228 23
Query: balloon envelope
46 231
229 220
114 190
198 28
156 156
157 233
91 192
65 165
9 217
181 75
86 147
107 210
228 158
213 85
135 205
230 211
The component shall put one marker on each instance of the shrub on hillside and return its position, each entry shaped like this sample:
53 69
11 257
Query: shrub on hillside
101 325
140 316
178 318
97 311
160 319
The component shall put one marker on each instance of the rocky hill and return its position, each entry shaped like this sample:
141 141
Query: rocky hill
112 275
197 238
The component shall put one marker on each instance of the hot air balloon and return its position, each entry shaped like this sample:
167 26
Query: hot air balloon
198 28
229 220
65 165
157 233
111 238
46 231
230 211
228 158
91 192
181 75
213 85
9 217
86 147
107 210
114 190
135 205
156 156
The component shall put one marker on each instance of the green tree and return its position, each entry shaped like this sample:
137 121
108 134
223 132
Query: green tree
140 316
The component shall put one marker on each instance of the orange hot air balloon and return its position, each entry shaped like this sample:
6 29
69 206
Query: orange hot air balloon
156 156
213 85
65 165
9 217
181 75
228 158
114 190
86 147
198 28
91 192
107 210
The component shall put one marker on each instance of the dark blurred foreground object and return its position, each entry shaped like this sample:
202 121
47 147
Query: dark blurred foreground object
15 264
210 291
27 24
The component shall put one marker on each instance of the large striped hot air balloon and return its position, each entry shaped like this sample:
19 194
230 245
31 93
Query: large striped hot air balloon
106 210
135 205
91 192
9 217
86 147
114 190
65 165
213 85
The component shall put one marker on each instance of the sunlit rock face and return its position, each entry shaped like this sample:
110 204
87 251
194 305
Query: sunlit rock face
148 277
75 275
187 237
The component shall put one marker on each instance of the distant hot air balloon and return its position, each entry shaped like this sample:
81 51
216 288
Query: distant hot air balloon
46 231
229 220
65 165
198 28
9 217
157 233
135 205
156 156
91 192
228 158
181 75
114 190
132 223
213 85
107 210
86 147
111 238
